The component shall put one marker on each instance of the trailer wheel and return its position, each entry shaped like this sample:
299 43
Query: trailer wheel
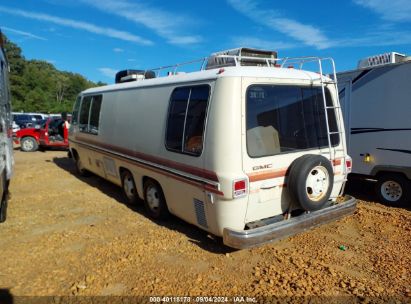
310 181
393 189
154 201
129 187
28 144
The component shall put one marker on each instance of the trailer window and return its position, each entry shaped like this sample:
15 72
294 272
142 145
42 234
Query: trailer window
287 118
74 116
186 119
90 114
95 114
84 114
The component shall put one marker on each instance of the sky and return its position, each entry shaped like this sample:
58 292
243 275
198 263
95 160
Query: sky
97 38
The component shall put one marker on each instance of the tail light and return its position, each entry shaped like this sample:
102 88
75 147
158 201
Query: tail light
348 164
240 187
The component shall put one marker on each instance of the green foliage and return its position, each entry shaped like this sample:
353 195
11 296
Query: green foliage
37 86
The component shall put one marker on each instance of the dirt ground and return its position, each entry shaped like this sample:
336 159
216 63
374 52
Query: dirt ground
67 235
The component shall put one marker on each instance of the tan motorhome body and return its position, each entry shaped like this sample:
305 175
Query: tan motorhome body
199 189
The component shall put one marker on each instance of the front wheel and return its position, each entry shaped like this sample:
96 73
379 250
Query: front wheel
29 144
154 200
79 167
393 189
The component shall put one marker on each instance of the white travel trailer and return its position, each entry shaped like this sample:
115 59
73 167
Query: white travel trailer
376 104
6 144
244 148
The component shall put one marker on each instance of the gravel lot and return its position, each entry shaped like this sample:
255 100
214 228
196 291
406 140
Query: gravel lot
67 235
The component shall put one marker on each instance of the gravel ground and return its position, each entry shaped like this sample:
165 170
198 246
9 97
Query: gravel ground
71 236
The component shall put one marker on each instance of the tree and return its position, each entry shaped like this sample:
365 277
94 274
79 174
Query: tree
37 86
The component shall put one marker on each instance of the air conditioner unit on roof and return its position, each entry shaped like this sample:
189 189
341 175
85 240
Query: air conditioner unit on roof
133 75
376 60
233 58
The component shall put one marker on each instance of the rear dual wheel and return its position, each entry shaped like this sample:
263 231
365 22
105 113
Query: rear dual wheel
154 200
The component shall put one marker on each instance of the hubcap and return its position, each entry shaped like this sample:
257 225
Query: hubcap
129 186
28 145
391 191
153 198
317 183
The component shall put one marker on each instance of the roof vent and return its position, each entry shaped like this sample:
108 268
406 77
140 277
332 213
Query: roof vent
133 75
382 59
253 57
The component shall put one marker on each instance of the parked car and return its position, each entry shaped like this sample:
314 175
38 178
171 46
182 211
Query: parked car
49 134
24 120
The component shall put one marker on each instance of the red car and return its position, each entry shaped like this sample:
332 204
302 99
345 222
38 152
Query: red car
50 133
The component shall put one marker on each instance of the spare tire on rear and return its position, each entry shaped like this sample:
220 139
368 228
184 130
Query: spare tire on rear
310 181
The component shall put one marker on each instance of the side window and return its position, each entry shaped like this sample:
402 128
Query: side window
74 118
84 114
95 114
186 119
176 118
89 118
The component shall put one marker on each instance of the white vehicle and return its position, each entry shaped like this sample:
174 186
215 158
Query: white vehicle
6 144
15 127
376 105
242 148
38 116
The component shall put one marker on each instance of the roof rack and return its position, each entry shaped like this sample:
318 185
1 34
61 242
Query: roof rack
259 58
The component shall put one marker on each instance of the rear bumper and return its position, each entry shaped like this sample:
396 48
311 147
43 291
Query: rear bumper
241 239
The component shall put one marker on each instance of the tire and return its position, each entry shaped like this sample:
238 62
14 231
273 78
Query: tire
310 181
393 189
79 167
4 200
3 208
29 144
154 201
129 187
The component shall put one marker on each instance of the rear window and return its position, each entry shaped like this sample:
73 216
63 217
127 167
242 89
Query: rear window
283 119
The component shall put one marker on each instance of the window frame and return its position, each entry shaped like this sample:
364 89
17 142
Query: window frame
301 86
190 87
75 119
92 96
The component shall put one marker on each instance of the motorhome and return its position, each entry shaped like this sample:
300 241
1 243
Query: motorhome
375 100
6 144
247 148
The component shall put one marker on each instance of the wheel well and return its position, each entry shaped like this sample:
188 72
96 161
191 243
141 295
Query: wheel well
26 136
75 154
382 173
122 169
146 178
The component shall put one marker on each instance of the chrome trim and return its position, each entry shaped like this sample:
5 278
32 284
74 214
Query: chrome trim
164 168
241 239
